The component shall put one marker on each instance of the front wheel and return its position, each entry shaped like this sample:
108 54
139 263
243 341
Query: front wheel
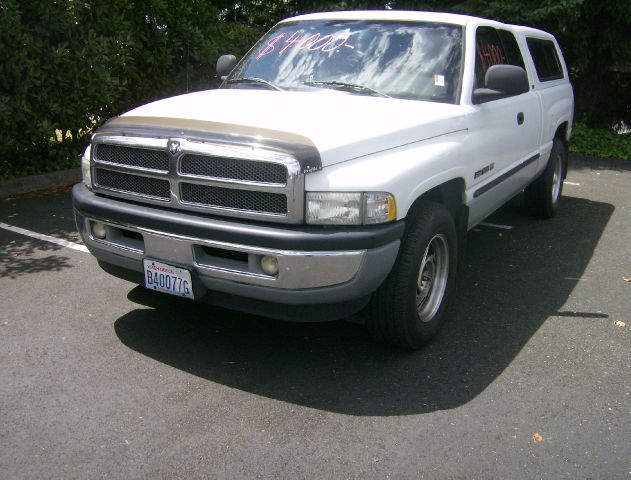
407 310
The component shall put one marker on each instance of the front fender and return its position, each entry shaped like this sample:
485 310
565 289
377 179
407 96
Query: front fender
407 172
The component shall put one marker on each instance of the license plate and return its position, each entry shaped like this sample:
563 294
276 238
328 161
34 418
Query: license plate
167 278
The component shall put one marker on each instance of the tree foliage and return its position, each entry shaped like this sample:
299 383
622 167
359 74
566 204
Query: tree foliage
66 65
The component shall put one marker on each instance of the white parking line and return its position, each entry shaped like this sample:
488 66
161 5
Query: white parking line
45 238
571 183
495 225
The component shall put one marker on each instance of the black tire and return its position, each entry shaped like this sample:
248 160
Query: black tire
543 196
408 308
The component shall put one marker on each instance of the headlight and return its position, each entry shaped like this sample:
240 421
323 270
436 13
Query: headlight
85 168
349 208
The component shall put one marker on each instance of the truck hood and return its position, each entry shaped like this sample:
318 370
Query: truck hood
341 126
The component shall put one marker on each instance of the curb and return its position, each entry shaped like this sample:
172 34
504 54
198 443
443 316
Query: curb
44 181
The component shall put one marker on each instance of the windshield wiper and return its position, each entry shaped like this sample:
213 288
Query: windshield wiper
255 81
347 87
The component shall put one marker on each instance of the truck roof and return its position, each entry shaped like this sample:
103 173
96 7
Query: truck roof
386 15
400 15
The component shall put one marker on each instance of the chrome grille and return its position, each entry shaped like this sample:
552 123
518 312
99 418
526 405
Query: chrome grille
235 169
229 180
133 157
136 184
247 200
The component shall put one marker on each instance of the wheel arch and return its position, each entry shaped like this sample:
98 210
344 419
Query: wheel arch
451 195
562 134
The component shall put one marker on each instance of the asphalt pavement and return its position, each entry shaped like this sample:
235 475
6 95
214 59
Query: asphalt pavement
530 377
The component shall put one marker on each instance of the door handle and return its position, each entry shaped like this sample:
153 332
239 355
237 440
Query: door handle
520 118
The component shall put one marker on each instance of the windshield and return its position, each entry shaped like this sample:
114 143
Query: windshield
411 60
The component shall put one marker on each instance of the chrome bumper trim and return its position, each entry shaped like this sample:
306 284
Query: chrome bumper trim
297 269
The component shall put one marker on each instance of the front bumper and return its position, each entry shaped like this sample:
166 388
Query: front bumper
321 267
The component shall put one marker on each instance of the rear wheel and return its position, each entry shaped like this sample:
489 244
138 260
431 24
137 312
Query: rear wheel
407 310
543 196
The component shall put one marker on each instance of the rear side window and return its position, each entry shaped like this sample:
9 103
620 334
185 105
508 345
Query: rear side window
547 63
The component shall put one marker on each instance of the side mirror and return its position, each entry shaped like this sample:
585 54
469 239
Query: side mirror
225 65
502 81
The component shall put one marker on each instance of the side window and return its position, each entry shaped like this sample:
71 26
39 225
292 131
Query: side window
544 55
511 48
488 52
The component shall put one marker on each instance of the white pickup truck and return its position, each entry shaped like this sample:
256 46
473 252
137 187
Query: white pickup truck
337 169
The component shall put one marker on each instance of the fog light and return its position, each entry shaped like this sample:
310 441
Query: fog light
269 265
98 230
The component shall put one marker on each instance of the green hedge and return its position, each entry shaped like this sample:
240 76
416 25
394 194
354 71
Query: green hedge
68 66
600 142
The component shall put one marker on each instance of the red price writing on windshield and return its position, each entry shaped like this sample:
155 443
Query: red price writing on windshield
311 43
